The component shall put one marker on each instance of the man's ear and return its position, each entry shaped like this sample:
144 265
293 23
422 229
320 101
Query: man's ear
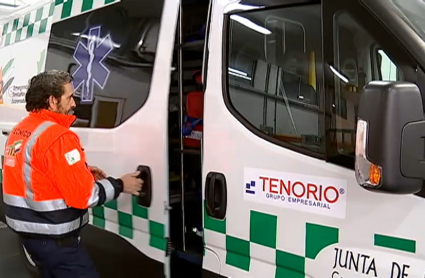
52 101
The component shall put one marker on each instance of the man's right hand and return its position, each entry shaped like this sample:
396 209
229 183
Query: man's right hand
132 185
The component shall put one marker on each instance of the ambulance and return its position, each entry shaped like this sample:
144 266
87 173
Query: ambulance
276 138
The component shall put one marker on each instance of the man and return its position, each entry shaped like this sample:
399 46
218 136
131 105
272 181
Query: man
47 184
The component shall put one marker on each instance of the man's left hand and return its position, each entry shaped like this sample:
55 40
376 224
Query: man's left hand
97 173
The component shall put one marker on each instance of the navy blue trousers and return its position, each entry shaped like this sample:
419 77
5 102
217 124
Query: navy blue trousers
55 259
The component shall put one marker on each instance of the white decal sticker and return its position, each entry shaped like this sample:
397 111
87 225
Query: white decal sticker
314 194
73 156
348 261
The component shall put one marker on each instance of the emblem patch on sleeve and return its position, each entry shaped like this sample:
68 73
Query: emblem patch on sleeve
73 156
11 152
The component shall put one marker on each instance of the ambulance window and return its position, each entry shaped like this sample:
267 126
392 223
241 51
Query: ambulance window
358 60
385 68
110 52
274 77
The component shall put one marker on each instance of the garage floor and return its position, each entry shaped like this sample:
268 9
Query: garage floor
10 263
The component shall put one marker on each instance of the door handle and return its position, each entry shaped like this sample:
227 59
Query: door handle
216 195
5 132
145 197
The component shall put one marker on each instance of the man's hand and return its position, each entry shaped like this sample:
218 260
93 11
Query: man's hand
132 185
97 173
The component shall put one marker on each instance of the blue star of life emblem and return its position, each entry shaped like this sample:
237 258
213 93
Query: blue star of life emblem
91 69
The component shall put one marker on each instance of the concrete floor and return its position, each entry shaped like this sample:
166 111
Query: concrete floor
10 262
11 265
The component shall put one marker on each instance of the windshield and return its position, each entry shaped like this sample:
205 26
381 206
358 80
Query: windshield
413 12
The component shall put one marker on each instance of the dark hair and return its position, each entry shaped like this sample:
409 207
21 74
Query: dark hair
44 85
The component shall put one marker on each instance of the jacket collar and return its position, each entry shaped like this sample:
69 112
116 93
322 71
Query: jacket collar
61 119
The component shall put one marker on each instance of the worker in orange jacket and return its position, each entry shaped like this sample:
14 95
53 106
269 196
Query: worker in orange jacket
47 184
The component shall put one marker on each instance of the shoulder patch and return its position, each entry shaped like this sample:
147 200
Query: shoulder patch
73 156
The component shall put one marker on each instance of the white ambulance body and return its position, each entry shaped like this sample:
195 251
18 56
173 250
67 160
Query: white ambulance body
270 190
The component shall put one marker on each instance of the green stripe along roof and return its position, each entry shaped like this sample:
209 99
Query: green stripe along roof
40 20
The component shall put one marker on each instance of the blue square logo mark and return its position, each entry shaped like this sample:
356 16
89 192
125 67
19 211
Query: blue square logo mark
250 188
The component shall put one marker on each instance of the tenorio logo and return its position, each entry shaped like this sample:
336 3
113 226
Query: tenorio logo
302 190
324 195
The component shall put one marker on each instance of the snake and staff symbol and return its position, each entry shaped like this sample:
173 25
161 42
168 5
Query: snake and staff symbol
91 69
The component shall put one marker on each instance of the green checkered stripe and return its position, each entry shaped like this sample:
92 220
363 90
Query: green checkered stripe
128 223
34 23
263 231
65 9
39 21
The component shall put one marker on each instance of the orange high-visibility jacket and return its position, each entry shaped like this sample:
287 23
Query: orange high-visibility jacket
47 185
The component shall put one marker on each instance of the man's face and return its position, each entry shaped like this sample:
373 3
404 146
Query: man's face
66 103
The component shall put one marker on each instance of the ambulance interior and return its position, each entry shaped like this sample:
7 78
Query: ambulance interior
185 134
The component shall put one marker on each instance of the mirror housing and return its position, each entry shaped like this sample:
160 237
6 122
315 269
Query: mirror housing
390 139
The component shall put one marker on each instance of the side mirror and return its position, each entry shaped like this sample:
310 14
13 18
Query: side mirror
390 139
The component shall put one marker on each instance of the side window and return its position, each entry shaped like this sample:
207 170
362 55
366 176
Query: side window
274 76
385 68
110 52
358 60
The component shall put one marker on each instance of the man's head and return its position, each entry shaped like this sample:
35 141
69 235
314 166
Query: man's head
51 90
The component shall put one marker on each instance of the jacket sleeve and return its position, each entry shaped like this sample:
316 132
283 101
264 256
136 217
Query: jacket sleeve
66 166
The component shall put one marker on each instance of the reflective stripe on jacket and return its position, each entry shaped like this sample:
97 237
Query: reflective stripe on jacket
47 185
